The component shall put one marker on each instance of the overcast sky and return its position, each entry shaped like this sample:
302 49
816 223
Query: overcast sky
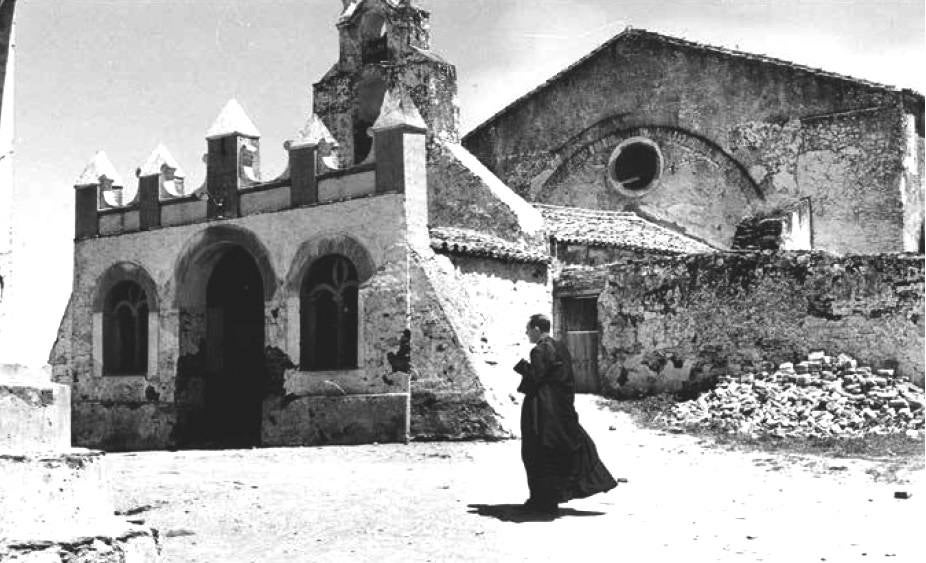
123 75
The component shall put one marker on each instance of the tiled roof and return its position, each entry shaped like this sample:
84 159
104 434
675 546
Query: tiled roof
615 229
631 33
474 243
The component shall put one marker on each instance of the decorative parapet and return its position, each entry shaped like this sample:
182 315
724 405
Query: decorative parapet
233 187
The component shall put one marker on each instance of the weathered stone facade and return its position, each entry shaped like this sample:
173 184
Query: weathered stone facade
738 136
671 323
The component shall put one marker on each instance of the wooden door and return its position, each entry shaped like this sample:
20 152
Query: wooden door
583 345
580 318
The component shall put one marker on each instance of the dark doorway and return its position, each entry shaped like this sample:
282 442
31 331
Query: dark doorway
580 324
235 351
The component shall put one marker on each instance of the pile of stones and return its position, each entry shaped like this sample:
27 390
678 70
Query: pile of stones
824 396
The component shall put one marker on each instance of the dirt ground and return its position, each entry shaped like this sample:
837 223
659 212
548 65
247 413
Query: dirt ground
684 501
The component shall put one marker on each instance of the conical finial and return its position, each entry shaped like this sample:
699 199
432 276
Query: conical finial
159 158
398 110
99 171
231 120
313 133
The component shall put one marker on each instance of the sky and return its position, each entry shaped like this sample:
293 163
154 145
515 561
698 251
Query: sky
125 75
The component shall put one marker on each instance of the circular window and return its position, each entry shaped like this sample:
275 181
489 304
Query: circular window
635 166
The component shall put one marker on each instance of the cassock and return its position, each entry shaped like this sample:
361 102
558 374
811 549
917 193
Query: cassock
560 459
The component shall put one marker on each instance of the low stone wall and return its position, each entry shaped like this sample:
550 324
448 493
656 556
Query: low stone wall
678 322
34 415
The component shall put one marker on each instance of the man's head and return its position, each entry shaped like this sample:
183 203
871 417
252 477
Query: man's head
537 326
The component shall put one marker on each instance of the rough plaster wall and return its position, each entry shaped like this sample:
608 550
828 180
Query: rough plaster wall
553 147
670 324
377 223
431 85
850 165
506 294
462 193
644 82
701 192
914 184
449 399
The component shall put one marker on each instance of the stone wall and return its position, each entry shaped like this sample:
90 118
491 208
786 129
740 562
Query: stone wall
850 165
669 324
739 137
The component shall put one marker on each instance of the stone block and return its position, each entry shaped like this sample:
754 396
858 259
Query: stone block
123 426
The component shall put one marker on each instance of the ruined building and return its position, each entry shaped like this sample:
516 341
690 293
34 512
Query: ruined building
377 289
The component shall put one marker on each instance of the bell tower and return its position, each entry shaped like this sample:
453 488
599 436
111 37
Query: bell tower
384 45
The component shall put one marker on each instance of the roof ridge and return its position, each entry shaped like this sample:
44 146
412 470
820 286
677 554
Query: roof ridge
636 31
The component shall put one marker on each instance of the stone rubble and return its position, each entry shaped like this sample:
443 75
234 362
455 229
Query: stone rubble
821 397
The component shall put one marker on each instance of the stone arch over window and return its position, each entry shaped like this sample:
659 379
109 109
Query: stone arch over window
344 265
125 322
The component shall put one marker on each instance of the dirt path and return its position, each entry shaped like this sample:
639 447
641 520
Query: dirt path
414 503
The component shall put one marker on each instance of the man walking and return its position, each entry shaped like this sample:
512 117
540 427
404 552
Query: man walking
559 457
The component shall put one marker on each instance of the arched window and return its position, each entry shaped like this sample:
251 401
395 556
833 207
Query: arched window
328 316
125 330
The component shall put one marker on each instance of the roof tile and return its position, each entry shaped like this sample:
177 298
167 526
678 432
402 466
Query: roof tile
615 229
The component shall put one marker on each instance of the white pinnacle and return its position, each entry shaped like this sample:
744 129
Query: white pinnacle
397 110
232 119
314 133
99 167
159 158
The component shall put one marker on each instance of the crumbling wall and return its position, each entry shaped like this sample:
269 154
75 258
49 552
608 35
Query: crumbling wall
850 165
673 323
449 400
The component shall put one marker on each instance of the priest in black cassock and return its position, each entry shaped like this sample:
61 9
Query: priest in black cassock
560 459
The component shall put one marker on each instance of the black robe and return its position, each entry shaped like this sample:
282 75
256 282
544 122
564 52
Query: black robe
559 457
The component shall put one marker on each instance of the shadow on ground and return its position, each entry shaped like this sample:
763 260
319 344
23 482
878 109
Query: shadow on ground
518 514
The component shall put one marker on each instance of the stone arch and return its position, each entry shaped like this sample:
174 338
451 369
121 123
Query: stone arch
120 272
313 249
203 251
612 131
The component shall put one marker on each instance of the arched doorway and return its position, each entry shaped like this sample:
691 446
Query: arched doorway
234 351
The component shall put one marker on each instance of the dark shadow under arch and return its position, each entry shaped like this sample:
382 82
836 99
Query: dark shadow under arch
203 251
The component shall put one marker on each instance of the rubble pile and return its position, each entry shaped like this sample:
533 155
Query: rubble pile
823 396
